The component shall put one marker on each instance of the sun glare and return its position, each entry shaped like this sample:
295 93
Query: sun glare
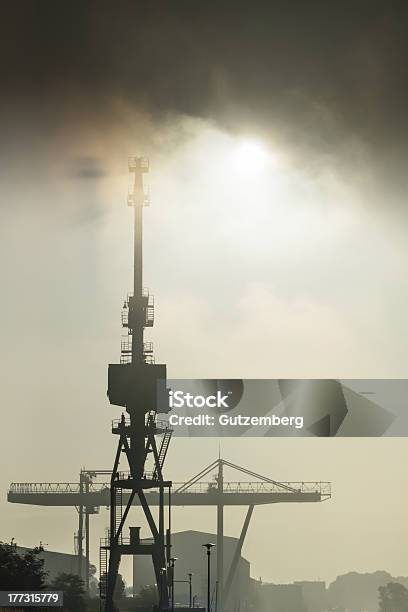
251 156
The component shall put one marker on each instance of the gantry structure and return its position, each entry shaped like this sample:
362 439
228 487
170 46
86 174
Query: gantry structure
139 386
207 488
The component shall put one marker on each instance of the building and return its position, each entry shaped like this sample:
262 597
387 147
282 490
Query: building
281 598
57 563
314 595
192 558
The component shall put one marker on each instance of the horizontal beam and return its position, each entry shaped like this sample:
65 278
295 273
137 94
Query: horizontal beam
102 498
258 486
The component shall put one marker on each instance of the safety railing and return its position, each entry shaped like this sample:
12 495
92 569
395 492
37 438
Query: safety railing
322 488
159 423
126 344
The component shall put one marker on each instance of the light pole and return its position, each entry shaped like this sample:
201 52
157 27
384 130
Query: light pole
208 547
190 590
190 587
162 586
172 562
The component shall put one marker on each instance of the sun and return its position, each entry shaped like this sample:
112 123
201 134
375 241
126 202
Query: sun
250 156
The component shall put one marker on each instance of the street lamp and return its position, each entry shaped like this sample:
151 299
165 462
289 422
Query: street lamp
172 562
190 590
162 587
208 547
190 587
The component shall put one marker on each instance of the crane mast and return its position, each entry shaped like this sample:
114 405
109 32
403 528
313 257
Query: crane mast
138 385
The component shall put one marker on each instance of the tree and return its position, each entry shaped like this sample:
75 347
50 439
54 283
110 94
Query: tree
147 596
73 589
393 598
120 586
92 570
93 582
21 571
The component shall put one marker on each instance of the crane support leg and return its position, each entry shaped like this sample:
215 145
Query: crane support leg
114 562
237 553
220 537
80 539
87 549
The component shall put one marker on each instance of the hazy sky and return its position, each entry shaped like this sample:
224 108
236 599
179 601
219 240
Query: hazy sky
291 263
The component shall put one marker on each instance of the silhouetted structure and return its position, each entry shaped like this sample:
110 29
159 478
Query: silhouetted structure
191 557
55 562
314 595
89 494
282 598
135 384
139 385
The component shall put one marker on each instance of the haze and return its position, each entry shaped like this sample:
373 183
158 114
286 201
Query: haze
295 267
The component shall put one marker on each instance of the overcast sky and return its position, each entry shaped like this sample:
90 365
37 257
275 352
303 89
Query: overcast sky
276 243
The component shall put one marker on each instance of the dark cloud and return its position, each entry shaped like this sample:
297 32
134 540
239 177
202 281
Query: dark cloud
87 168
192 57
316 75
